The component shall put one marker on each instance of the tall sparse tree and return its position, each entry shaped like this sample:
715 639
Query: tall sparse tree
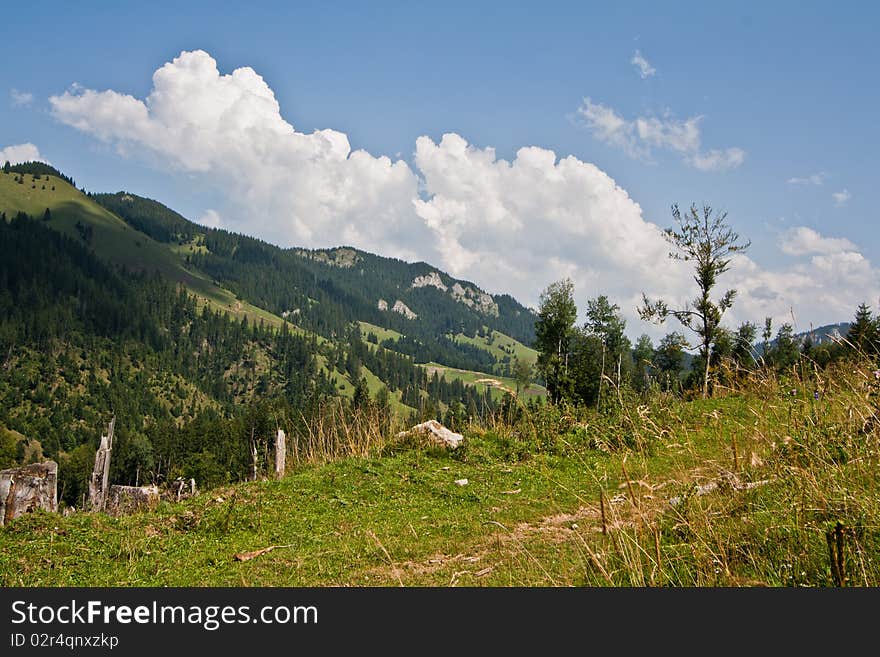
557 313
704 238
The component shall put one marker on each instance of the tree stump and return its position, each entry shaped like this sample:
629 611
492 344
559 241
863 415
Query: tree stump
27 488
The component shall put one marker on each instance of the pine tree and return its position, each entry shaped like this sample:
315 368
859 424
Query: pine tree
863 332
361 394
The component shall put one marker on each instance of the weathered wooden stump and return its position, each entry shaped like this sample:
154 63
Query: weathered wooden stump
27 488
100 475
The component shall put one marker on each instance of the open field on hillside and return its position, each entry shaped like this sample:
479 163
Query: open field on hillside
499 385
381 334
501 346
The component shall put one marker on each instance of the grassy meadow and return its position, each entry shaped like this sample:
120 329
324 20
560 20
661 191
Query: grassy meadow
773 482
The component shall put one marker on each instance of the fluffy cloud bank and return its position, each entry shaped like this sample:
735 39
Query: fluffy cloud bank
827 280
309 189
510 226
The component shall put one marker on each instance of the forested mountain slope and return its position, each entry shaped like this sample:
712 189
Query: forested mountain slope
200 340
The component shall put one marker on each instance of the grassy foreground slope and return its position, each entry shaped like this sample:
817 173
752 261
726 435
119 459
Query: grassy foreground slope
765 486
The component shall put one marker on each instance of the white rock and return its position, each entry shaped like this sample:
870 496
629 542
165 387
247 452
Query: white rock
403 309
461 482
436 432
430 280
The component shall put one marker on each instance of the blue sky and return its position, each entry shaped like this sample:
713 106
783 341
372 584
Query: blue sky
784 98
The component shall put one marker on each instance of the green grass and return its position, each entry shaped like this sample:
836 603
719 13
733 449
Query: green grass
555 498
338 518
381 333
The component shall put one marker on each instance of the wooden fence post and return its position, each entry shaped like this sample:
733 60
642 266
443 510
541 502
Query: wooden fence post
280 453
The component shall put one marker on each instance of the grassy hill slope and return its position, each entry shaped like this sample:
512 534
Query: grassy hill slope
745 490
503 347
112 239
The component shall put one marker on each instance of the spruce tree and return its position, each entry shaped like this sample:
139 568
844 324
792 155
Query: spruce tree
863 332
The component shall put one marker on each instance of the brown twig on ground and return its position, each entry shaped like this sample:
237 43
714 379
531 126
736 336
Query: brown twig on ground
247 556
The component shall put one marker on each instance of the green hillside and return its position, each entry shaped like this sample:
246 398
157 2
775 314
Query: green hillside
76 215
413 305
504 348
115 305
382 334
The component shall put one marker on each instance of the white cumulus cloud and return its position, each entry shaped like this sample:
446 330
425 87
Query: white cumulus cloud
828 279
510 225
21 153
806 241
638 137
538 215
310 189
644 67
211 219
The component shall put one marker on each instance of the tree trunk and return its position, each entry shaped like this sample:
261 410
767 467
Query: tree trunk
706 376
